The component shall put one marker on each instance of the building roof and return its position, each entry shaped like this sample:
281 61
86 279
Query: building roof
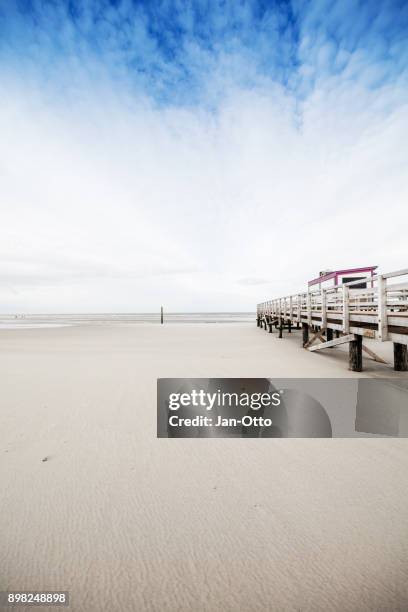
335 273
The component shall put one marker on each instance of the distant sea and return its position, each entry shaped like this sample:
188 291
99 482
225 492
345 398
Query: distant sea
62 320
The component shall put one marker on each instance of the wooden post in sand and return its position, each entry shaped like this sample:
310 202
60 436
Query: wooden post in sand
305 329
356 354
329 334
161 315
400 357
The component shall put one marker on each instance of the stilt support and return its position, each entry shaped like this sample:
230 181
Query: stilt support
400 357
316 335
356 354
305 330
374 355
336 342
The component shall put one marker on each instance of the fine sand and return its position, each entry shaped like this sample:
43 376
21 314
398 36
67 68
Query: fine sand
129 522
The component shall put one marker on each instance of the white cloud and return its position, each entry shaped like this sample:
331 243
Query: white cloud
114 204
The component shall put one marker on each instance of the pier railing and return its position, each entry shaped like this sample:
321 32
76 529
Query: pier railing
378 311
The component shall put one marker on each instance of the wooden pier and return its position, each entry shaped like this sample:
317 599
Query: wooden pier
346 314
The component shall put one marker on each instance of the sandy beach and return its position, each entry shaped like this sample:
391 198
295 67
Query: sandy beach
181 183
126 521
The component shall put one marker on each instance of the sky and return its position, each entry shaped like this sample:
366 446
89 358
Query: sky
203 155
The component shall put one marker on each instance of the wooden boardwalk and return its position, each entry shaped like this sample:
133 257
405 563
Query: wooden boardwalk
345 314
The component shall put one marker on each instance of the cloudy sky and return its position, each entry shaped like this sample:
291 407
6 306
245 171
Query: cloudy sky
204 155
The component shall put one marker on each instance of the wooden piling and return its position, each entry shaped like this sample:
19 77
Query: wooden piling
356 354
329 334
400 357
305 330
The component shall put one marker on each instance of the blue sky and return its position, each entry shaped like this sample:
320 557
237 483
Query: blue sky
169 50
158 151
